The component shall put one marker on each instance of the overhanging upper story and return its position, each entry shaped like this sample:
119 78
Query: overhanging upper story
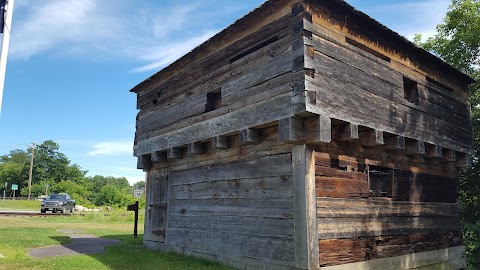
321 71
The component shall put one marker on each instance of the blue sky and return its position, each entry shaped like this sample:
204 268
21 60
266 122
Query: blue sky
72 63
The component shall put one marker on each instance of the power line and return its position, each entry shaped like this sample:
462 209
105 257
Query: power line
14 145
95 161
86 153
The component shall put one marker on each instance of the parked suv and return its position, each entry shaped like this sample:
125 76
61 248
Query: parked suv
58 202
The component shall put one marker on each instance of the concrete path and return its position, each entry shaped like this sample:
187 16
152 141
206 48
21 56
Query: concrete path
81 244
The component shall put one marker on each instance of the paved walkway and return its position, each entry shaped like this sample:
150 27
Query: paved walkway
81 244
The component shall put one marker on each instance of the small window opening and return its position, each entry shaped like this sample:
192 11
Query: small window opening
214 101
380 181
410 90
367 49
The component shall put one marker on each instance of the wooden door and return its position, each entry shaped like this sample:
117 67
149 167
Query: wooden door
157 200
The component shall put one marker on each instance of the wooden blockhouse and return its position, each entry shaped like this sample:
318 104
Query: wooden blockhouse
306 135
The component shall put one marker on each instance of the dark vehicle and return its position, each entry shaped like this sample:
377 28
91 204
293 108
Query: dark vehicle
58 202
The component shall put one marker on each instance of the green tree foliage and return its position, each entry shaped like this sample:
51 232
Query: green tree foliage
14 168
458 42
139 184
38 189
12 173
112 196
50 166
49 163
53 168
76 191
15 156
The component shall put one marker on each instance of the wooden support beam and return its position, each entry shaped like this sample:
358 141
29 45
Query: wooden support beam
305 208
348 132
322 132
371 138
433 151
159 156
413 148
463 160
395 143
291 130
174 153
221 142
449 155
144 162
250 136
196 148
315 129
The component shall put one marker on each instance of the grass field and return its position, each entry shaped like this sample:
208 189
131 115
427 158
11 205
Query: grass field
18 234
19 205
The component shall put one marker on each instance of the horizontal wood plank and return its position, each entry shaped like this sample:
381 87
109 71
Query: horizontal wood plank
276 165
257 114
333 207
264 187
375 226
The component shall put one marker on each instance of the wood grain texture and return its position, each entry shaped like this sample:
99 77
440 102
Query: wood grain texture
306 246
241 208
249 116
350 250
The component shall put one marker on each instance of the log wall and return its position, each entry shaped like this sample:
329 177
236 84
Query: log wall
215 133
251 73
420 215
353 78
229 205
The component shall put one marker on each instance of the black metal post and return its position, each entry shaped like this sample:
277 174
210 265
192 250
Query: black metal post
134 207
135 228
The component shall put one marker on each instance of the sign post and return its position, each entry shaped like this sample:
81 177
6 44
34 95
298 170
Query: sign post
14 188
4 192
134 207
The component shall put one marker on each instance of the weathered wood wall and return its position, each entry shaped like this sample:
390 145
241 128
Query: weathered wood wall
251 74
421 215
355 79
215 130
231 205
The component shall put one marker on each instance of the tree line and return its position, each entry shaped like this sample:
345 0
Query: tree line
53 171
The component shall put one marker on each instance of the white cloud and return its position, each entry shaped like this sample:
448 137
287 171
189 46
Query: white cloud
112 148
164 55
411 17
107 29
61 23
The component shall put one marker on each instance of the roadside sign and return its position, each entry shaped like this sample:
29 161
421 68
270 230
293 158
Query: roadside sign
14 187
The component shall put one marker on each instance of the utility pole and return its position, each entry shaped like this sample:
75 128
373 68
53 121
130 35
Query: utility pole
31 171
6 19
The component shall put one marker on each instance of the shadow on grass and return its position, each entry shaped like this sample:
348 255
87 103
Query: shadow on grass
129 253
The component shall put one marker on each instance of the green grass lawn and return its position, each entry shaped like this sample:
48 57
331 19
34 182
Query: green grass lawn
19 205
17 234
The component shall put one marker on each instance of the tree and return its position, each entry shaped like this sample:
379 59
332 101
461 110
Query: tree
110 195
50 166
458 43
49 163
139 184
16 156
76 191
13 173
